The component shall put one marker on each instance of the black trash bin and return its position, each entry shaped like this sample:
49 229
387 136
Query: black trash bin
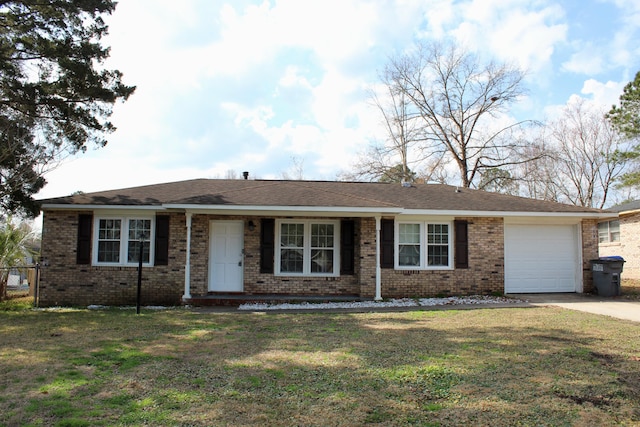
606 275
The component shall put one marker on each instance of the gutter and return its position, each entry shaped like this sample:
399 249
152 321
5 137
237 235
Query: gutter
629 212
330 211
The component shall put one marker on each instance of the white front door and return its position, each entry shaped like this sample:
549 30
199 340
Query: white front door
226 245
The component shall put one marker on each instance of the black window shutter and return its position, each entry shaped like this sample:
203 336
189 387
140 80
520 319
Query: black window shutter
461 244
162 240
347 247
267 243
83 253
386 243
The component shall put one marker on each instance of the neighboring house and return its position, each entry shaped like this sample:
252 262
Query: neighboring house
621 236
259 237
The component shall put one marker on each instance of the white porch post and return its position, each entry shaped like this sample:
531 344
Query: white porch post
187 266
378 269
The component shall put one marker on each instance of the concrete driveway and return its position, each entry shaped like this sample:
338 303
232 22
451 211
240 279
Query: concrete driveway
627 310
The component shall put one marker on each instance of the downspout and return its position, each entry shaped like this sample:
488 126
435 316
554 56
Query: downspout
378 268
187 266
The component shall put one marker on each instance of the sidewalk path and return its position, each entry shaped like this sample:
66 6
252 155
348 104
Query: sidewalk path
627 310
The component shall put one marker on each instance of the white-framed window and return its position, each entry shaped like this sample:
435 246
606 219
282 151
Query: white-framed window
120 240
609 231
307 247
424 245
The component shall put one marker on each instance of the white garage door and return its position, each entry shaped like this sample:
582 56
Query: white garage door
541 258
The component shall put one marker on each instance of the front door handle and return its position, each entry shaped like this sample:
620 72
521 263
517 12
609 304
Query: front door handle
239 263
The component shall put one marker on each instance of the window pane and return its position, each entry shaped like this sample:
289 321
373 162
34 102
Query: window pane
291 260
108 251
409 255
322 235
614 231
409 233
140 229
109 229
307 248
603 232
438 234
438 245
614 226
109 240
292 235
438 255
134 250
322 261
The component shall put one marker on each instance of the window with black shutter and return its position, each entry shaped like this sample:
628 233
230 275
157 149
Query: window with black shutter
162 240
461 244
83 255
267 242
347 247
386 243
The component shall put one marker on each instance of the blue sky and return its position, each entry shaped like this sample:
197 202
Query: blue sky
263 85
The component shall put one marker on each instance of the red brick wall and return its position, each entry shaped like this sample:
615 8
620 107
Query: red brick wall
589 252
254 281
485 273
63 282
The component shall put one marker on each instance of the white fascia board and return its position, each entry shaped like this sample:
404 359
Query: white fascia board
630 212
507 214
328 211
100 207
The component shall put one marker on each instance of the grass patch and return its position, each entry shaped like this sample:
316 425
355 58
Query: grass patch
529 366
16 303
630 289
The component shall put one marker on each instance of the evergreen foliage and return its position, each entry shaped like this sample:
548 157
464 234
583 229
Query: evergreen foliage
56 97
626 120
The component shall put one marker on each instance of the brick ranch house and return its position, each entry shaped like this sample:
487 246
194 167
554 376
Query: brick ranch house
621 236
260 237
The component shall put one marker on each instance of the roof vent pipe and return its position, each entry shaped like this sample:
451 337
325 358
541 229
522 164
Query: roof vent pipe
245 174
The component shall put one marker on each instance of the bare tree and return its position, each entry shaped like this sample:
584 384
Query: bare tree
403 133
295 171
580 165
453 102
395 158
536 178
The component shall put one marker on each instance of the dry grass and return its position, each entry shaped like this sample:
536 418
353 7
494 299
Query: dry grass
528 366
630 289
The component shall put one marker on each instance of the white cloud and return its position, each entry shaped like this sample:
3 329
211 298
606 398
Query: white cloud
293 78
594 93
588 60
223 85
605 94
514 30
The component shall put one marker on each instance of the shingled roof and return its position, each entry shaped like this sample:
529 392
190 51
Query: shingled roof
212 193
632 206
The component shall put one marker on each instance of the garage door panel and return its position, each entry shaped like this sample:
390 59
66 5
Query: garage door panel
540 258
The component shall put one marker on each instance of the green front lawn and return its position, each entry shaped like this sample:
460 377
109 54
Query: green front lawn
526 366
